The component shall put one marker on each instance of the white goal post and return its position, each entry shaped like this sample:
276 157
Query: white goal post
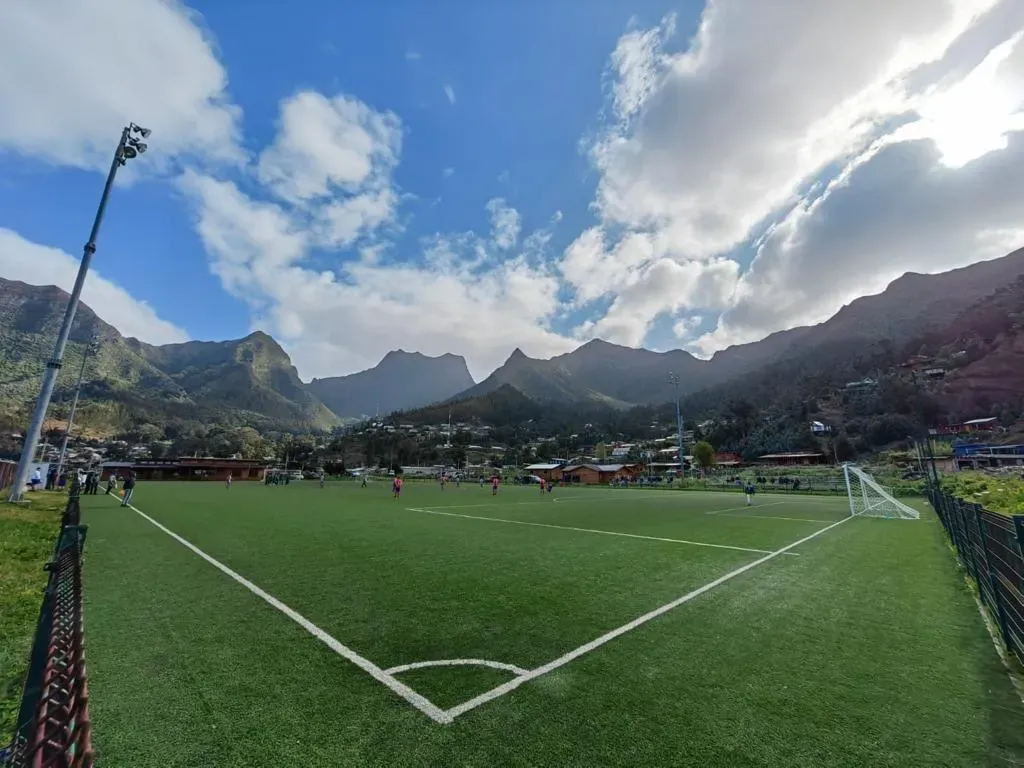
869 499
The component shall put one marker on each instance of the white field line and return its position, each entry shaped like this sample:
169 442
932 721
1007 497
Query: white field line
547 500
772 517
457 663
587 530
561 661
419 701
734 509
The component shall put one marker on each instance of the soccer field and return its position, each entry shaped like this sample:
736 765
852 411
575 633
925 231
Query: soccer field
300 626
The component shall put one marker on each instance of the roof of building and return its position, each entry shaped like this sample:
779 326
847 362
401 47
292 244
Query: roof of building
799 455
542 467
988 420
599 467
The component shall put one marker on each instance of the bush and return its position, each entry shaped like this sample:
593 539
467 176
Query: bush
997 494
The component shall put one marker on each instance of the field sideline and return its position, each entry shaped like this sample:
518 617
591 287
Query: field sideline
295 625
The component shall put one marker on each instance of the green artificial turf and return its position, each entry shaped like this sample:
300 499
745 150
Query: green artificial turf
28 533
865 649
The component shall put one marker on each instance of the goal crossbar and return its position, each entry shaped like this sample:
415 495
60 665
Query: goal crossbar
869 499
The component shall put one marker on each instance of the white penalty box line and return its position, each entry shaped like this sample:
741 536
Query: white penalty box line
420 702
508 521
564 659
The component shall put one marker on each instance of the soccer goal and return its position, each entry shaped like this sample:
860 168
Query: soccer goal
869 499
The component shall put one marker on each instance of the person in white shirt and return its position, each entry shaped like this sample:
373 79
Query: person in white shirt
37 480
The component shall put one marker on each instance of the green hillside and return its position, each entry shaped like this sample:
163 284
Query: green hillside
246 382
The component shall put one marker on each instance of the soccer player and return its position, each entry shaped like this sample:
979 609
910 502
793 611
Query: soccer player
364 482
749 491
322 478
396 486
542 486
227 482
129 489
494 485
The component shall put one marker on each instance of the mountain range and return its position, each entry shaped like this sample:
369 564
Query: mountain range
252 380
913 308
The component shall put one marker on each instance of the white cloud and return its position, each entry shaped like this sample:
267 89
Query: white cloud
903 211
449 93
505 223
326 145
822 130
72 74
447 172
665 285
336 312
37 264
343 319
684 327
413 55
728 131
341 223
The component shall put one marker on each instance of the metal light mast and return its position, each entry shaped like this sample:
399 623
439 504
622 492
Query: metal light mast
129 146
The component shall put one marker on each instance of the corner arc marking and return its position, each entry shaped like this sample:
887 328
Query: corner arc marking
457 663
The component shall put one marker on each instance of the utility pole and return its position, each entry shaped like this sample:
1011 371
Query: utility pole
91 347
673 379
129 146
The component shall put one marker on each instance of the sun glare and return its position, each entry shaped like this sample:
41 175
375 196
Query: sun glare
973 117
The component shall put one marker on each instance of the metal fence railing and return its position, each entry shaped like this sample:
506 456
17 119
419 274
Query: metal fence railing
53 729
991 547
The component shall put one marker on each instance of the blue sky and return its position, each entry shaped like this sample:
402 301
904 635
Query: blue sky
462 177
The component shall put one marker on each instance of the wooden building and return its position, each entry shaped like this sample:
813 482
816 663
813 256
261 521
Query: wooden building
599 474
549 473
187 468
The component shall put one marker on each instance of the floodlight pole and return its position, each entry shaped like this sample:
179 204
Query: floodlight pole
53 366
74 405
673 379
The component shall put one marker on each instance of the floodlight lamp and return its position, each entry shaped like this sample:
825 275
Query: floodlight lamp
143 132
129 152
140 146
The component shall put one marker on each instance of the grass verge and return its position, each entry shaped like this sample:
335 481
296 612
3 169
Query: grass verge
26 543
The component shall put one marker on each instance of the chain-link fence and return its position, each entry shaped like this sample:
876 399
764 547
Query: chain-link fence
990 546
53 728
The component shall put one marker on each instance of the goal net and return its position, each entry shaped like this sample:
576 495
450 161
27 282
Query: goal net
869 499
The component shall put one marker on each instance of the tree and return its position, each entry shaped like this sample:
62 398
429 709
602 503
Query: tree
704 454
844 448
